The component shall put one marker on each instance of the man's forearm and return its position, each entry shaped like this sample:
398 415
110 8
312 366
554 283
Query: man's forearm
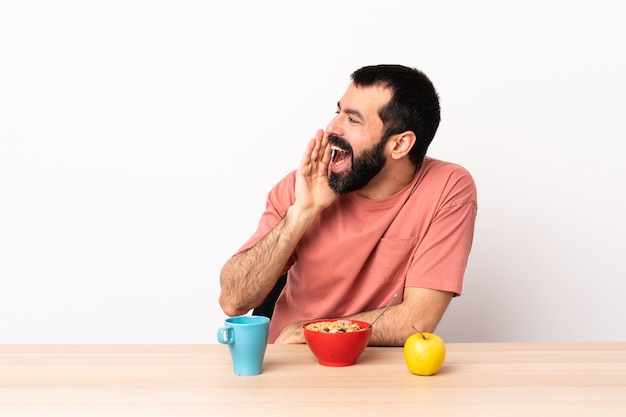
421 310
248 277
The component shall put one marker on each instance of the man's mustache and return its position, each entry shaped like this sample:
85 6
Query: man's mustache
340 142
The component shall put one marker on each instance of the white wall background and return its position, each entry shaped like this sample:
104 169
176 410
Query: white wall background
138 140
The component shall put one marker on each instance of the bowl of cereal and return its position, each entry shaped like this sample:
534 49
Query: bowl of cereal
337 342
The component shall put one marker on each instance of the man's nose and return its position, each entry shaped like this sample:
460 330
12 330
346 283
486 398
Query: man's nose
334 127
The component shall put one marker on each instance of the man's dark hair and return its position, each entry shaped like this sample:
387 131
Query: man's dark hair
414 105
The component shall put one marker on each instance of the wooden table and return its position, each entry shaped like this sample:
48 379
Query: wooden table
477 379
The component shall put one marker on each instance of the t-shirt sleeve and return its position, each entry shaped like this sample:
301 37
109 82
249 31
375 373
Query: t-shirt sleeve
279 199
440 259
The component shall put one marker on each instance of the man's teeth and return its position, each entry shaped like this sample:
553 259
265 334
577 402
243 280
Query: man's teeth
333 154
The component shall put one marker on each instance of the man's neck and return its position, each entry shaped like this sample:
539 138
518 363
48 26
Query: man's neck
388 182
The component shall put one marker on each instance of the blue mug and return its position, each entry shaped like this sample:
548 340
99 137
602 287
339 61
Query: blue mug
246 337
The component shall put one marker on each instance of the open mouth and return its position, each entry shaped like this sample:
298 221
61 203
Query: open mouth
338 156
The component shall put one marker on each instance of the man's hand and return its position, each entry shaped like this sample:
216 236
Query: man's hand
312 190
292 333
249 276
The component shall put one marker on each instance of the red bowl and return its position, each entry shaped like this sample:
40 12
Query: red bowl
337 349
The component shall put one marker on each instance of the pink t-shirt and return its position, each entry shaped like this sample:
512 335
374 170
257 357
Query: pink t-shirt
358 253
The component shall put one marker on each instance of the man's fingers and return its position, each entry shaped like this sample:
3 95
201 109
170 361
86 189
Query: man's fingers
318 152
325 150
315 150
306 157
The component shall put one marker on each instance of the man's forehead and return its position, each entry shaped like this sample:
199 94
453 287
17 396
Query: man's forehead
366 99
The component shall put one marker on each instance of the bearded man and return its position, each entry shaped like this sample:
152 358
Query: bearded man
365 216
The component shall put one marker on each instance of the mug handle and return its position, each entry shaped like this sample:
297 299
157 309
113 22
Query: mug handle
229 339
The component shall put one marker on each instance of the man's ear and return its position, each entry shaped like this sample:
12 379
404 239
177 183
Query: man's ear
402 143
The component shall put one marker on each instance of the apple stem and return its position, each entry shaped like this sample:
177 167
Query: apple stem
421 334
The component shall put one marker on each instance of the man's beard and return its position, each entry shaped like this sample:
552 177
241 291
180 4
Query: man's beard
364 167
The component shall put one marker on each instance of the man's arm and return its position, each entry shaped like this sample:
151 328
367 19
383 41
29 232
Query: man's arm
420 310
248 277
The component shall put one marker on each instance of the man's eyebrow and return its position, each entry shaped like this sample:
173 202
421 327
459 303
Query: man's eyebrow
352 112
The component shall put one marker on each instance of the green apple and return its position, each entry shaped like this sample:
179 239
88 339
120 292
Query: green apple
424 353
